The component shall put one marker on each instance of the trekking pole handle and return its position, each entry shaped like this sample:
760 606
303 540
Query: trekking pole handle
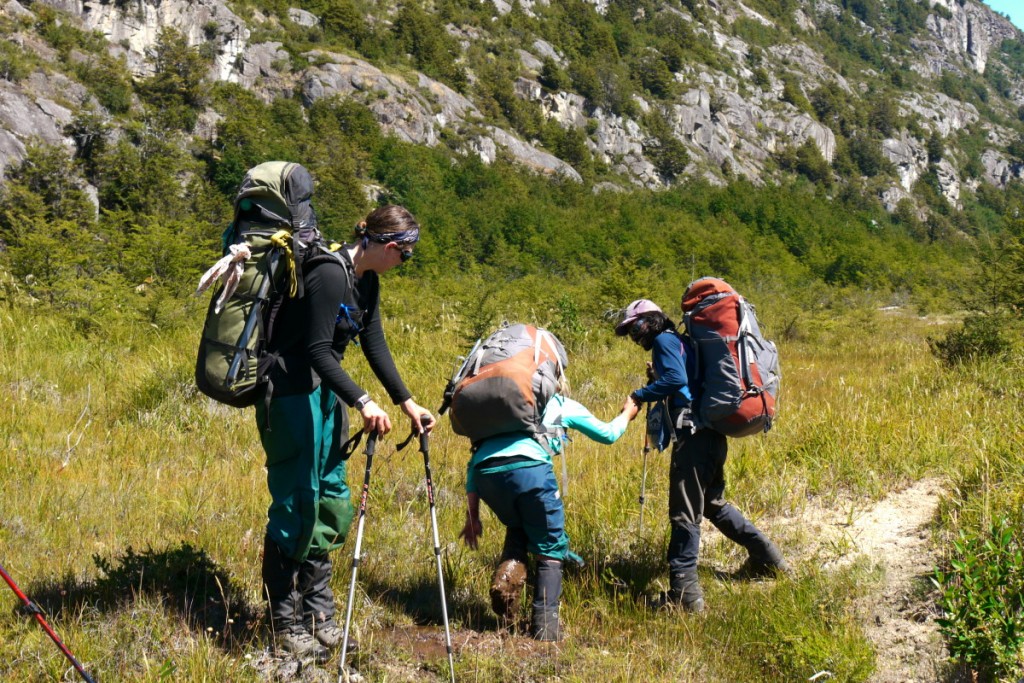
424 420
371 443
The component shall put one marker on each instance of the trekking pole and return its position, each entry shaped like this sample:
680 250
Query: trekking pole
643 478
371 445
425 450
33 609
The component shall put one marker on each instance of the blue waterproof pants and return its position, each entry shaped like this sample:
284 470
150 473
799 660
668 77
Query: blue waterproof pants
527 498
311 508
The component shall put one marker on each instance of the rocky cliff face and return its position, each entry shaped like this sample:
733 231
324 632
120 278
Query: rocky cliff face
726 117
970 34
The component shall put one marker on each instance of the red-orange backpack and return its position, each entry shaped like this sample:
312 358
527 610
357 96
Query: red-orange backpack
738 369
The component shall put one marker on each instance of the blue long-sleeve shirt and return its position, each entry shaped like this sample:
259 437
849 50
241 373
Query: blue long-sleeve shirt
669 360
573 414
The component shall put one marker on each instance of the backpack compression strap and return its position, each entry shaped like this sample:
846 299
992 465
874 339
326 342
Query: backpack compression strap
283 239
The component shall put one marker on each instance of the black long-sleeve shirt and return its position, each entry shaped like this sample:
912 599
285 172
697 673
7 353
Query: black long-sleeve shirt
313 333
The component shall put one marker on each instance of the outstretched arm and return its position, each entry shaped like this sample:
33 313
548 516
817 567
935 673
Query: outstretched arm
576 416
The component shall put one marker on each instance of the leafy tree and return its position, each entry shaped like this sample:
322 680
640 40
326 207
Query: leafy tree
108 79
867 11
1016 148
582 31
177 89
144 171
434 52
344 19
498 99
569 145
46 186
91 132
655 76
792 93
811 163
935 148
883 116
666 151
553 77
866 153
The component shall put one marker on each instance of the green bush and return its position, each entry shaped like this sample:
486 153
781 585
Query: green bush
980 336
15 66
983 600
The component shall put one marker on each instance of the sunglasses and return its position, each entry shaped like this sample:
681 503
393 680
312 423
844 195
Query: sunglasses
638 331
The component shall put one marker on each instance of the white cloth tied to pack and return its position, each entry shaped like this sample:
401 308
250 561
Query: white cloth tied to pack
229 269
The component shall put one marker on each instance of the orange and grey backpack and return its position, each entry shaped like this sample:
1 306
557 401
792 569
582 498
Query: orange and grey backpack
737 368
505 384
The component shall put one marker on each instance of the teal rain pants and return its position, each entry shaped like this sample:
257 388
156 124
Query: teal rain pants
311 508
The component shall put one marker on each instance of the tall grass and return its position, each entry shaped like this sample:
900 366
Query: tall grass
121 485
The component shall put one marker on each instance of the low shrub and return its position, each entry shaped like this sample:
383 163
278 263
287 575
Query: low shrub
983 600
980 336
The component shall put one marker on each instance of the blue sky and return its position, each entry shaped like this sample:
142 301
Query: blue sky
1015 8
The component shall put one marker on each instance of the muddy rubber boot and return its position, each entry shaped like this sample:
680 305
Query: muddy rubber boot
280 588
510 576
685 592
546 595
318 609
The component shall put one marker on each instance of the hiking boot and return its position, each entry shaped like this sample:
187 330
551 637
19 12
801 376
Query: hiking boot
753 569
331 636
684 592
507 587
300 643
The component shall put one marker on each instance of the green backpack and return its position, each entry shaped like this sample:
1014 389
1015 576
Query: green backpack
273 233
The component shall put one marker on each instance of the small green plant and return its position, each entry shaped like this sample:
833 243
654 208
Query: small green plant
983 601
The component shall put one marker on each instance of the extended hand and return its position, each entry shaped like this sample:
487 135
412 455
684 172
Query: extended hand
631 408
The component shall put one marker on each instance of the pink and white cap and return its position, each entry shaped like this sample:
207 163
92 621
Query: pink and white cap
634 311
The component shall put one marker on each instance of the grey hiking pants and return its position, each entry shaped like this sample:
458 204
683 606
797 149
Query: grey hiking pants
696 489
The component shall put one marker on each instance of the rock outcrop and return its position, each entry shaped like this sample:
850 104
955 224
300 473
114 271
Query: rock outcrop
999 170
416 114
971 32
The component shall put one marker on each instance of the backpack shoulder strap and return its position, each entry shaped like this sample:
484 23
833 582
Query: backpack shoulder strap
319 252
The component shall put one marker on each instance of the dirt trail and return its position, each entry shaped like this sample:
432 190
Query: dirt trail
893 536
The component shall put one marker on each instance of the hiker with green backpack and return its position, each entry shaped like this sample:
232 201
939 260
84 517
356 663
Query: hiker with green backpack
696 473
306 423
274 338
509 399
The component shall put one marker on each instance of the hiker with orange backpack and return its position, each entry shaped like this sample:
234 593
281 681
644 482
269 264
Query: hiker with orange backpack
696 473
511 403
305 425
